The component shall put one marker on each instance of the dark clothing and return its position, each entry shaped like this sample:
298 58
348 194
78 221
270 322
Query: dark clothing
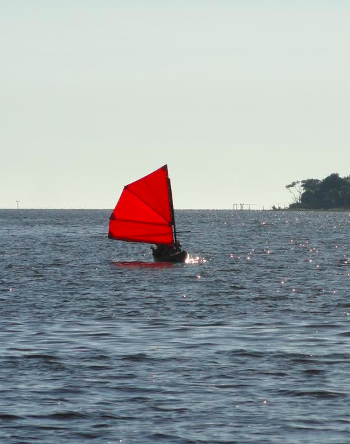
162 250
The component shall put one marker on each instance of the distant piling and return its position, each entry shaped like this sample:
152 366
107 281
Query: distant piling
242 206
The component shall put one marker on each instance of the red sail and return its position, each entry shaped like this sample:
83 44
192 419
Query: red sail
143 212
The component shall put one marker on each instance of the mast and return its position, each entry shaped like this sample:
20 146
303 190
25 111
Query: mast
172 210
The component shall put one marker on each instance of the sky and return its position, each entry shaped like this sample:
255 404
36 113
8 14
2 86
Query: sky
238 97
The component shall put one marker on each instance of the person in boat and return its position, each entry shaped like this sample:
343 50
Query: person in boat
162 250
168 253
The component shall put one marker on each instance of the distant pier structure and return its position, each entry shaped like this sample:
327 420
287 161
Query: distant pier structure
17 202
242 206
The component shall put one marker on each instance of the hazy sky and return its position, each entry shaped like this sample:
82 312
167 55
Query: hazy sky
238 97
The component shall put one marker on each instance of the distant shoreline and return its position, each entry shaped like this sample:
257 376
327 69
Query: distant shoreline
318 210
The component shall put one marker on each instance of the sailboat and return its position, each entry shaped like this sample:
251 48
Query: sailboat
145 213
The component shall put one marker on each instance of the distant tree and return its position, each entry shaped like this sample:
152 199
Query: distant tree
310 184
295 188
331 192
333 181
309 199
345 194
333 198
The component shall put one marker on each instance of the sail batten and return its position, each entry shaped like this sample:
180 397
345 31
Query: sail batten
146 204
143 223
143 212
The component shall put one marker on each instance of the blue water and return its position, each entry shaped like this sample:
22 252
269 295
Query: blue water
249 342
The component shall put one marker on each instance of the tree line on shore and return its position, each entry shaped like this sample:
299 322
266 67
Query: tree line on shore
332 192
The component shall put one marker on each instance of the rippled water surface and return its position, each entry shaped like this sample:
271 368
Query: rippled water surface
248 342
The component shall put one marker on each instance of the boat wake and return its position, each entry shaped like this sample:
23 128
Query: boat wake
196 260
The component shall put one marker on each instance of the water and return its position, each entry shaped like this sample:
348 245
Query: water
249 342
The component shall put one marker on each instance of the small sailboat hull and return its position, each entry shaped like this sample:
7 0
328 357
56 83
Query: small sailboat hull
176 256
